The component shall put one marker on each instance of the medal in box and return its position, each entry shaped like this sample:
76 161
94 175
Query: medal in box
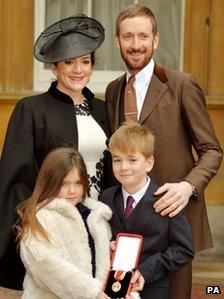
124 261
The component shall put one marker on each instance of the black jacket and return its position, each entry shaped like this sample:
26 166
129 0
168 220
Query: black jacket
38 124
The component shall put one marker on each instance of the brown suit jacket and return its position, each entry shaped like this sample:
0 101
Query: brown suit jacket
175 111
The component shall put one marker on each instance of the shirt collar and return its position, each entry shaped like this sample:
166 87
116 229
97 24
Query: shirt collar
144 76
137 195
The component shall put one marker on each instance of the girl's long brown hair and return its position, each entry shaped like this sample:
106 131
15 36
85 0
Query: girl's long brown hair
49 181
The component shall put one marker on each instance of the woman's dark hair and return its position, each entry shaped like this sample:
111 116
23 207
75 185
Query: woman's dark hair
92 57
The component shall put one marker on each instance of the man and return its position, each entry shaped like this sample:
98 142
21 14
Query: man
172 105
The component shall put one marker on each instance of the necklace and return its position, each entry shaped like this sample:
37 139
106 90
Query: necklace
82 109
118 276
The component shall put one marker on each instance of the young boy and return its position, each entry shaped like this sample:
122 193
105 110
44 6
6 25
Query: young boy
167 242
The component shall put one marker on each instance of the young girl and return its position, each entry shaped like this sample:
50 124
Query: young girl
64 235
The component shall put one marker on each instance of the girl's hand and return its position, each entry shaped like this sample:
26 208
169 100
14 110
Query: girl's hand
112 249
112 246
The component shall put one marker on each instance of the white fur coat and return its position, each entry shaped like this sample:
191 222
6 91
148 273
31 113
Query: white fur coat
63 269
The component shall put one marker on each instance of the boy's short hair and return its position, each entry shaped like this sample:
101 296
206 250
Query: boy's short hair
132 137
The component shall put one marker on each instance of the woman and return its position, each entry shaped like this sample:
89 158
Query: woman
67 114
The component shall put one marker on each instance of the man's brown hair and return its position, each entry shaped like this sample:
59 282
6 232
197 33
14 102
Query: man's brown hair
136 10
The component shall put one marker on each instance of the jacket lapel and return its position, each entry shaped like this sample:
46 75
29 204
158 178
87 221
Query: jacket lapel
118 99
144 209
117 206
155 91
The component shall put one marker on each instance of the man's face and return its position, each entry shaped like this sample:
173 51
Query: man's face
136 42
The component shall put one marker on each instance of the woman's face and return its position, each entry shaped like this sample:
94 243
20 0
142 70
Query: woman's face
73 74
72 188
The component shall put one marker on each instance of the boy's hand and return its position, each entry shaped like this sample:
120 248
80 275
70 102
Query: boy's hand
137 281
174 200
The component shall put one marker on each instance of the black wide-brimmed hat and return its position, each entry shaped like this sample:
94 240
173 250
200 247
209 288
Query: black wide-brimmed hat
69 38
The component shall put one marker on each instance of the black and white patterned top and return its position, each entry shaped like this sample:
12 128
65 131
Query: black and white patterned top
82 109
92 145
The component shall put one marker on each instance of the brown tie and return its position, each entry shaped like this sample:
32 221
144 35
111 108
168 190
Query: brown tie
130 105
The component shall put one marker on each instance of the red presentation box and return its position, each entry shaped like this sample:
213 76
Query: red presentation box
124 261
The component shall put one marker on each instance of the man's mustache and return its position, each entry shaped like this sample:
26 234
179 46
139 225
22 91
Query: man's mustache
133 51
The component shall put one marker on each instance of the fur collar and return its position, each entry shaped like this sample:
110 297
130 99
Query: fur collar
65 208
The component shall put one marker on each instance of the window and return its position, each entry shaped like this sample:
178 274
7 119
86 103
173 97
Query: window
169 15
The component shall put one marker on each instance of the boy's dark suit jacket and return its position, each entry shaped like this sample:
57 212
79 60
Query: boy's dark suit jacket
167 242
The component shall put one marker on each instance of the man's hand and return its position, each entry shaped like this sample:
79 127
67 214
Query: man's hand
174 200
137 281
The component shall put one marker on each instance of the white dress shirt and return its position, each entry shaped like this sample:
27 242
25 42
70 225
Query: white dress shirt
136 196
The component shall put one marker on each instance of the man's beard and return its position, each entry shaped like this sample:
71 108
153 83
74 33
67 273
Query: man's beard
130 64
